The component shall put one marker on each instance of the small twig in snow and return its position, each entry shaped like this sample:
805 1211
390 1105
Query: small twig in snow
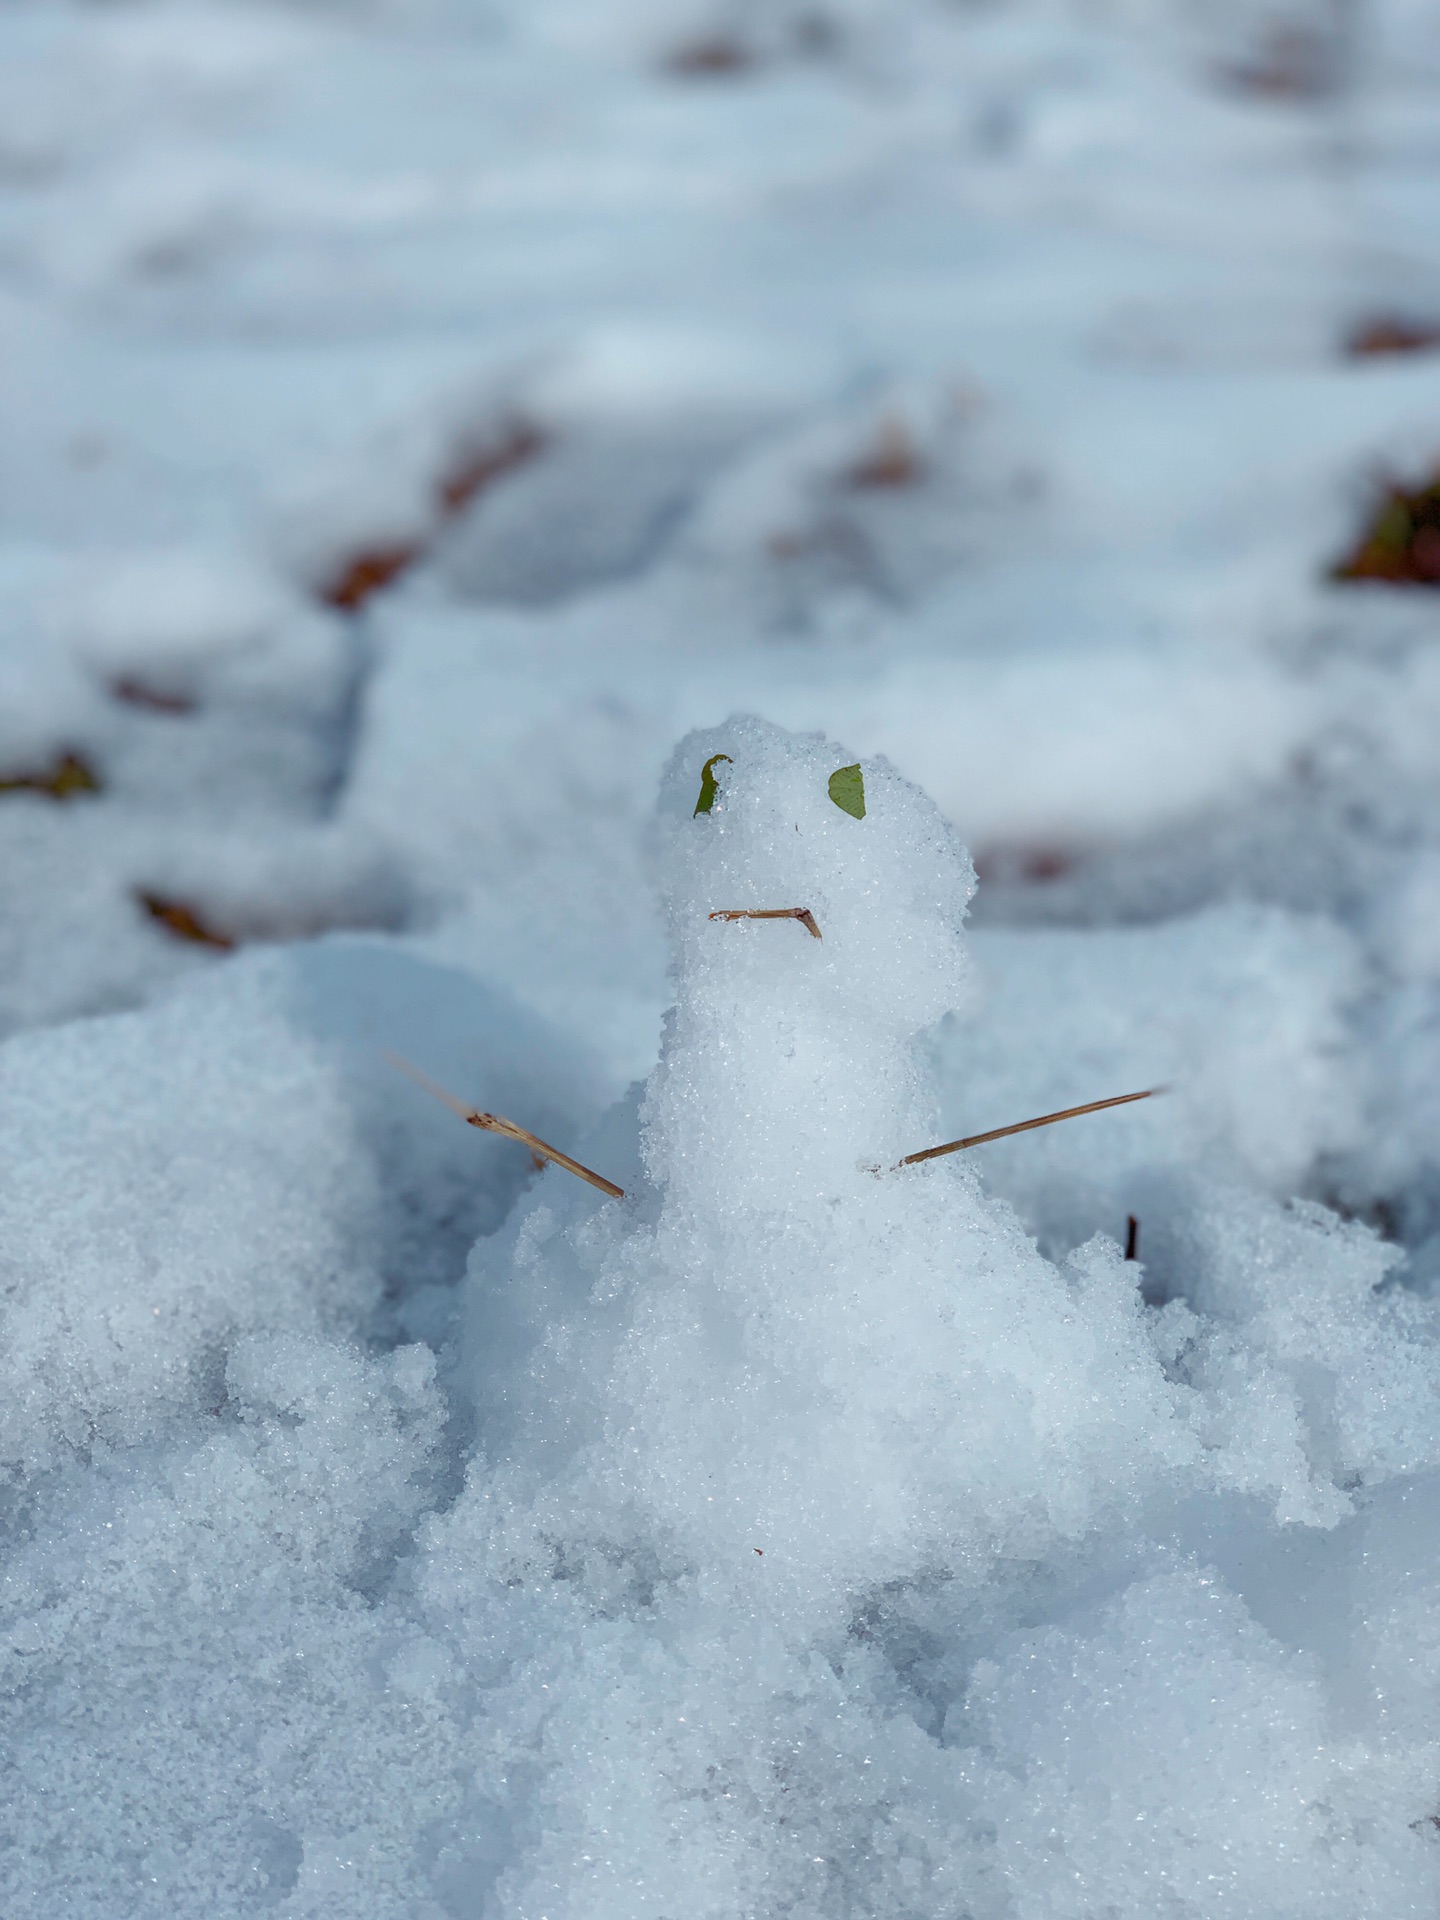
507 1129
802 914
1024 1126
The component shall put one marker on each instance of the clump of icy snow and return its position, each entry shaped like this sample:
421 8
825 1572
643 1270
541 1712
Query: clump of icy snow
782 1442
171 1177
1176 1759
788 1536
860 1371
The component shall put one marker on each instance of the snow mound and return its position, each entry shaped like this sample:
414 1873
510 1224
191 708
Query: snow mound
171 1177
789 1535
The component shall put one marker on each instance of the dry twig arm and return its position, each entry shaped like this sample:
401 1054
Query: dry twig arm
1025 1126
507 1129
802 914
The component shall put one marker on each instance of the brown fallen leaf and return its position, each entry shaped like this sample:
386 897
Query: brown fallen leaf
1392 334
1012 865
892 461
1401 543
715 54
69 775
475 468
480 468
1291 62
367 572
183 921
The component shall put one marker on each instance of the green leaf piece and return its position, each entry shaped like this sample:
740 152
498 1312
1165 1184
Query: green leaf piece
708 788
847 790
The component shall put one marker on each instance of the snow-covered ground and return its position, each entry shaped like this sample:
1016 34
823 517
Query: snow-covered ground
417 418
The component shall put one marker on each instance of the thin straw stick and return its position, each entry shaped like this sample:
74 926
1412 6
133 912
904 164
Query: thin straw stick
802 914
1024 1126
495 1123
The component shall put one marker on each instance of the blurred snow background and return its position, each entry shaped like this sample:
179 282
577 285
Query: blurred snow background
417 415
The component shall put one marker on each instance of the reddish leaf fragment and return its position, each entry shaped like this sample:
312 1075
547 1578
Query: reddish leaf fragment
479 469
184 922
366 572
892 461
1392 334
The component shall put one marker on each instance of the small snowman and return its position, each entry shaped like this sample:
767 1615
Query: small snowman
784 1369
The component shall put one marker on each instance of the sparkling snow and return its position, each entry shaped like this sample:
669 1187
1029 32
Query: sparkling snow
434 431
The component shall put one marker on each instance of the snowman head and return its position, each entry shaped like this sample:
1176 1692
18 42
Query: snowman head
791 1043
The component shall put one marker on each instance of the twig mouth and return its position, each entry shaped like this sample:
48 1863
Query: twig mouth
802 914
507 1129
1025 1126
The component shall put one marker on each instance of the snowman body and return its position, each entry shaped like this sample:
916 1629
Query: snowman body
790 1370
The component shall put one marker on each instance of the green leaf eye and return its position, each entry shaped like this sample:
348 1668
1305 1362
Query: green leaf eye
847 790
708 789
